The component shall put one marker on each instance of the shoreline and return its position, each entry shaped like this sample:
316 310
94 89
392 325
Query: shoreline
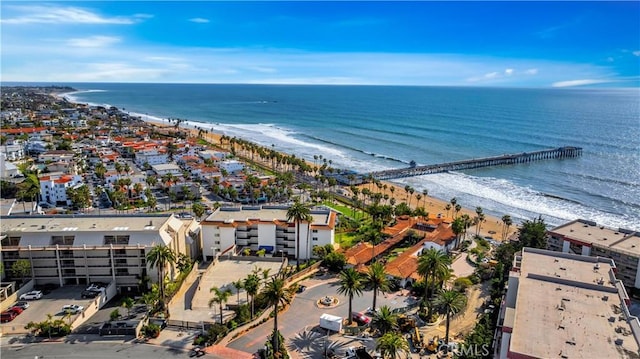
492 226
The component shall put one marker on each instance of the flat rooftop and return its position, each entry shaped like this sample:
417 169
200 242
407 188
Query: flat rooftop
567 307
265 213
591 232
82 223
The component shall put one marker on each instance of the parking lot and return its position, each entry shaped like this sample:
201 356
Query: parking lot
51 303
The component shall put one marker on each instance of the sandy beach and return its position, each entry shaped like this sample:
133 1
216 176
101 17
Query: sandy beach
492 226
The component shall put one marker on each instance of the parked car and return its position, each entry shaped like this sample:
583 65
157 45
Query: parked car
360 318
89 294
7 316
21 304
301 288
33 295
18 310
72 308
45 288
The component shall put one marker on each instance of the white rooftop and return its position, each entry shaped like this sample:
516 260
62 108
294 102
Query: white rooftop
568 307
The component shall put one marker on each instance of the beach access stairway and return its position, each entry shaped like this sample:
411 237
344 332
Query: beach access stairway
508 159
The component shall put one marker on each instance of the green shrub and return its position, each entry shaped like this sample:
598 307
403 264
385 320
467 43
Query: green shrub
151 330
461 284
115 314
335 261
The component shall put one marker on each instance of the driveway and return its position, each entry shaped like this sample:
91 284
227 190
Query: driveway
51 303
298 322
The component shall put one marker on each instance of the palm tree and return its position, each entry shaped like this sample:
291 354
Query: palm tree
159 256
298 212
377 278
127 303
351 284
432 264
29 188
220 297
392 346
506 223
275 293
238 285
251 286
384 320
451 302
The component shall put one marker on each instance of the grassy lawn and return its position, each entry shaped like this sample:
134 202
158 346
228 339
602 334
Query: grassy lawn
347 211
346 240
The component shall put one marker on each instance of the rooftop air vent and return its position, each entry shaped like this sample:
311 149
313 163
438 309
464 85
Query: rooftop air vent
605 298
619 341
597 266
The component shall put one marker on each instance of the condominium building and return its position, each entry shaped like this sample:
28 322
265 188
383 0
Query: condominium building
69 250
265 227
53 187
561 305
588 239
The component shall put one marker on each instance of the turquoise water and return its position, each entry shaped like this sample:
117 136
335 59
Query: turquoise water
378 127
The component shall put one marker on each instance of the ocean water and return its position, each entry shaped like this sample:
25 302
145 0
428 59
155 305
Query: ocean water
368 128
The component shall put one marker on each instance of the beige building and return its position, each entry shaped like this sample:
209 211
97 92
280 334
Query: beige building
561 305
69 250
265 227
588 239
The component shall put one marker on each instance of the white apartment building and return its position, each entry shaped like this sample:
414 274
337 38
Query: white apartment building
56 156
53 188
13 151
231 166
587 238
152 157
561 305
265 227
163 169
69 250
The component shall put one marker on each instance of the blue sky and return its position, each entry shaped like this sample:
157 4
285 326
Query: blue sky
508 44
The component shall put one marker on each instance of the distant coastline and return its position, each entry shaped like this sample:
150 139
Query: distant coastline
349 124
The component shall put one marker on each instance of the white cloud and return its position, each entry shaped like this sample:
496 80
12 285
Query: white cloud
636 53
199 20
93 41
65 15
491 75
583 82
47 60
610 59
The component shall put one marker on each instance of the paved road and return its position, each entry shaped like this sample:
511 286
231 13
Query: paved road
298 322
82 350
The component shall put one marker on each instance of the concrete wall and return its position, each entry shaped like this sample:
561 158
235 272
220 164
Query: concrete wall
14 297
186 284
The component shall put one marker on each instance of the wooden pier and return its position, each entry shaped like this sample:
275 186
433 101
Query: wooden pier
510 159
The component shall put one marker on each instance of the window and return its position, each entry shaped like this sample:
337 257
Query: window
62 240
122 271
11 241
315 238
117 239
216 235
315 231
216 242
